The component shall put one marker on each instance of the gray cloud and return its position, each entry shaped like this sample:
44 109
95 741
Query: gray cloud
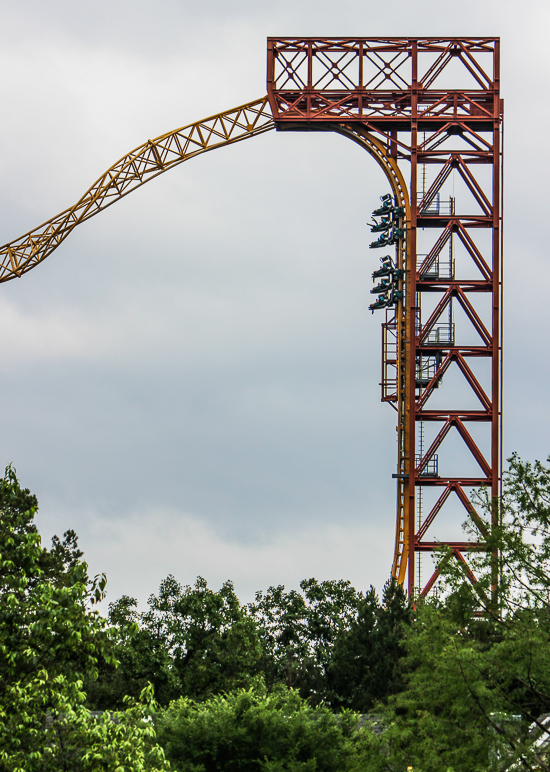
194 372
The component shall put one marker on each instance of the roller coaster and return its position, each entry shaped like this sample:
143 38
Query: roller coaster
426 109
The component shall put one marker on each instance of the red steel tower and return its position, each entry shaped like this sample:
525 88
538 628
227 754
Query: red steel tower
428 109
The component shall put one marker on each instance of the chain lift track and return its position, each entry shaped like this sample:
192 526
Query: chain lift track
374 92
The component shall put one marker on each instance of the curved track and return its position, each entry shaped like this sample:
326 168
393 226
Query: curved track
359 134
133 170
155 157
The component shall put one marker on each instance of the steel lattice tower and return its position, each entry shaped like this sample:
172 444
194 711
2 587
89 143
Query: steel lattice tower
432 109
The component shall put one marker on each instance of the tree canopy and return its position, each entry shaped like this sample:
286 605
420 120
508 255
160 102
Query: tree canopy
459 681
51 638
477 664
254 731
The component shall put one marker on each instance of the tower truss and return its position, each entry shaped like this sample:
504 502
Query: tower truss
434 104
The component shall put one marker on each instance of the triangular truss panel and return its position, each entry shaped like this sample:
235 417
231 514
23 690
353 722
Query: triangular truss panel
450 253
451 450
456 188
450 379
454 67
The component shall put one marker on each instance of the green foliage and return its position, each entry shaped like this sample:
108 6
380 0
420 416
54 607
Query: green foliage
213 643
365 665
191 641
328 641
49 730
142 657
478 659
50 640
44 622
251 731
298 631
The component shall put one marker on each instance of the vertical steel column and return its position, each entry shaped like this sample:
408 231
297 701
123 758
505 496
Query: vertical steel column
466 121
496 445
412 331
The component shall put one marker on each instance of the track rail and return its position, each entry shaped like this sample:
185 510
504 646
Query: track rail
157 156
133 170
379 152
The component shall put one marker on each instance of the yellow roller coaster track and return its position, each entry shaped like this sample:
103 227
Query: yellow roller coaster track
157 156
402 319
133 170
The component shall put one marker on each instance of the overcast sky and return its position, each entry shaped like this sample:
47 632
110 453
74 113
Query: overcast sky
191 380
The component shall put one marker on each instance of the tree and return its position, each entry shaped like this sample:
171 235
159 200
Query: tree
256 731
298 631
50 639
195 642
191 641
365 664
478 658
214 644
142 657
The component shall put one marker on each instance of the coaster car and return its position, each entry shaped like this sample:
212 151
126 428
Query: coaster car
382 302
383 241
387 206
384 286
387 239
386 270
385 225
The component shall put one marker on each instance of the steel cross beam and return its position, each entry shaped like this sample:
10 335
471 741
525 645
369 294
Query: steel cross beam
434 104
